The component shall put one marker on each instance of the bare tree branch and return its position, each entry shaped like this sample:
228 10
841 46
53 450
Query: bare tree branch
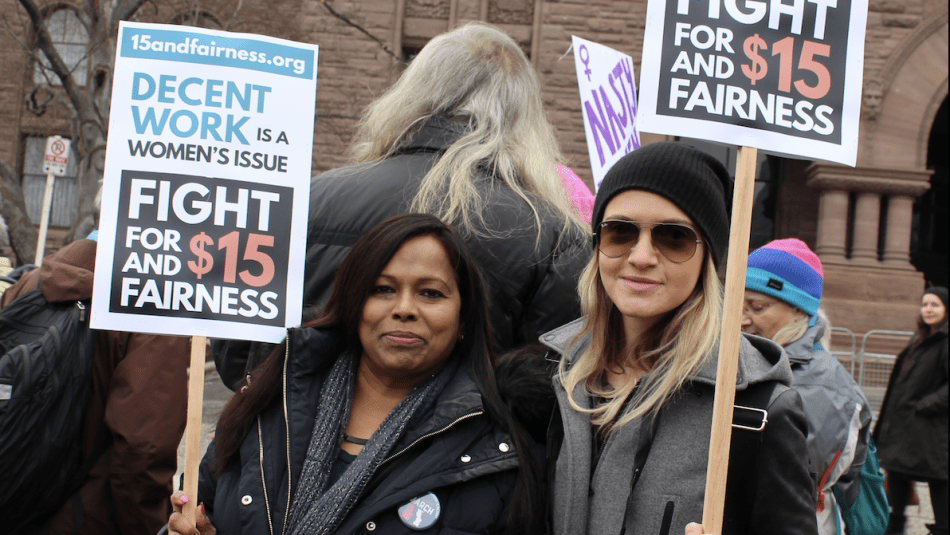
20 229
234 15
123 10
45 43
8 29
342 17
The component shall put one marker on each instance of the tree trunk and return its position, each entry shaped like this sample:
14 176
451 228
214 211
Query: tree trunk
22 233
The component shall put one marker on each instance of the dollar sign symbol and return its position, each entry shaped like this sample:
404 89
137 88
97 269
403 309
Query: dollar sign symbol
758 68
204 263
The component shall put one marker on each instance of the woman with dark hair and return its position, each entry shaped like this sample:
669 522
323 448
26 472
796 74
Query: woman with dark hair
383 414
912 430
637 375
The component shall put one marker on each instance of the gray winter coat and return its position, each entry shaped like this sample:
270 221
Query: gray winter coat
839 421
667 492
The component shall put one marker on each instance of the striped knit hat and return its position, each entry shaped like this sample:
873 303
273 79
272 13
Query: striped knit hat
787 270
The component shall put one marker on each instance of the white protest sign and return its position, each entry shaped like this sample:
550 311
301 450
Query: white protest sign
609 101
779 76
207 182
57 155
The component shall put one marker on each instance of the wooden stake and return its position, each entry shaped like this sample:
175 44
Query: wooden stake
196 385
721 434
44 219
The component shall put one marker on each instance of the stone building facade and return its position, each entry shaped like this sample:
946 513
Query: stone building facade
880 228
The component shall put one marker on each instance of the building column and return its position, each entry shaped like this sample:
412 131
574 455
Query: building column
900 186
832 225
867 223
900 214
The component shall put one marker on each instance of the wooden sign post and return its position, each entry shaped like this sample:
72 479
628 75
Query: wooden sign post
196 385
721 434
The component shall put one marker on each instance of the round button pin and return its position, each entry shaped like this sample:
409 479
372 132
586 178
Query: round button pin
246 499
421 513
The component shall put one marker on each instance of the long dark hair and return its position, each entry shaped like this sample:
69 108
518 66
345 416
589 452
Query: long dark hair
354 280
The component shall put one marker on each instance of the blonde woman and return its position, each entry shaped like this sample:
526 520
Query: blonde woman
637 375
461 135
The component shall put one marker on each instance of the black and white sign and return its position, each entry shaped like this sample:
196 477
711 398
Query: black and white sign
207 182
779 75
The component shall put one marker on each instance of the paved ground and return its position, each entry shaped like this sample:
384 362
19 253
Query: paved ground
217 395
918 515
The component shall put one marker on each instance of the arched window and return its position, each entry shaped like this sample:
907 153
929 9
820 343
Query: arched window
71 40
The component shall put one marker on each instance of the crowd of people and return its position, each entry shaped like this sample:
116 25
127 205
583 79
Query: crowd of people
490 348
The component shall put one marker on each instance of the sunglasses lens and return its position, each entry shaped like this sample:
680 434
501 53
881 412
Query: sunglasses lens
617 237
676 242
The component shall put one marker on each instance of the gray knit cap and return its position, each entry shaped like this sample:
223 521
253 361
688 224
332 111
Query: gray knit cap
691 179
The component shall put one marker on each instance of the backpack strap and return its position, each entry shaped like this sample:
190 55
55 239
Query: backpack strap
749 419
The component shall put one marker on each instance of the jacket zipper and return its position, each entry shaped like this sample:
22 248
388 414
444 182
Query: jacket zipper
260 459
427 435
286 431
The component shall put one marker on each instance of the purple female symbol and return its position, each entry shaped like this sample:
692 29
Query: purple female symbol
585 59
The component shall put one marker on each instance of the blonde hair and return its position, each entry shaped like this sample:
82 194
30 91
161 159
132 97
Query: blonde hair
796 329
672 350
477 76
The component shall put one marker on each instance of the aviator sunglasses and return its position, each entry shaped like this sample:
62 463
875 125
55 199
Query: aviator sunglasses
676 242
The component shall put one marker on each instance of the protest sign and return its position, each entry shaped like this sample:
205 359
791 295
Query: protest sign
206 186
609 102
779 76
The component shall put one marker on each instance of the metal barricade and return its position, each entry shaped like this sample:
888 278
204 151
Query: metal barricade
874 369
846 357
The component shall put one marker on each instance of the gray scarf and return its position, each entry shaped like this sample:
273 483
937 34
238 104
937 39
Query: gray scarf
317 509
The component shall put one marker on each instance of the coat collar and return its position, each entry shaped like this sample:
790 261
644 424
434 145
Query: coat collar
313 352
436 134
760 359
800 351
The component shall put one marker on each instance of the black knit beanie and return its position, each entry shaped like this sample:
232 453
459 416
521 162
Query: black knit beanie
940 292
691 179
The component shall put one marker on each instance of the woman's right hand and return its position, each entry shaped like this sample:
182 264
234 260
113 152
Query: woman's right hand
179 525
694 529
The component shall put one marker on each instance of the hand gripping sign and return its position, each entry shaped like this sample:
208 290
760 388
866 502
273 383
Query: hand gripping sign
609 102
205 192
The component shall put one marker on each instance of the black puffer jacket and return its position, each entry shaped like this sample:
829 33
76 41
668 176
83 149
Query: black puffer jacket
453 451
531 282
911 432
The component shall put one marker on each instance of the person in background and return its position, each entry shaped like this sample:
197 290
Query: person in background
911 431
462 134
135 417
629 445
382 415
783 293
